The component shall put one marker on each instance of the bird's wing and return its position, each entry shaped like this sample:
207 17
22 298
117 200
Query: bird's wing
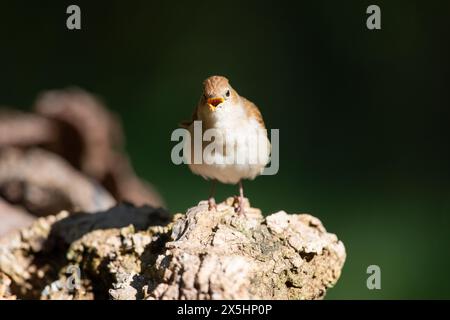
187 123
253 111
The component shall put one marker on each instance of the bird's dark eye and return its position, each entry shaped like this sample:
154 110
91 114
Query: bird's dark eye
227 94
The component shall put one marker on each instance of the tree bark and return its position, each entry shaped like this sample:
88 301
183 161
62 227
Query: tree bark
142 253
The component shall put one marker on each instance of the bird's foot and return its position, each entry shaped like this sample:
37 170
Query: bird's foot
239 205
212 206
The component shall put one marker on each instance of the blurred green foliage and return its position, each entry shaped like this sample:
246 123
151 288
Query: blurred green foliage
363 115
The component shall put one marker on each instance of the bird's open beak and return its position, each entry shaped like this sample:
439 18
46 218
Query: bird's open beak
214 102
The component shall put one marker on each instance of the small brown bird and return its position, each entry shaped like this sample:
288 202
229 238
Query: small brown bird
239 127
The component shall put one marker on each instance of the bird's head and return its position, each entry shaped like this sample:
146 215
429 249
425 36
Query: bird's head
218 94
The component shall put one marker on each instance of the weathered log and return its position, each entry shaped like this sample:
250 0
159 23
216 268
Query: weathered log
13 218
79 128
92 140
25 129
36 259
43 183
139 253
89 132
5 283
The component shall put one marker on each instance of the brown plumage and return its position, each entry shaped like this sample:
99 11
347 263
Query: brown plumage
214 84
221 108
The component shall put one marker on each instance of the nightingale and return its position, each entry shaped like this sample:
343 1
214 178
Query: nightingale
241 146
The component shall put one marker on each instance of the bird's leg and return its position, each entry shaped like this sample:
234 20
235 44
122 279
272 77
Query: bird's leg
240 207
211 201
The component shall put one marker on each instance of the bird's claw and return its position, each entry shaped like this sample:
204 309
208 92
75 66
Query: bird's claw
212 206
239 206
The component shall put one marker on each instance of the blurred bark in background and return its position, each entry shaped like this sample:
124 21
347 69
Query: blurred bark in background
67 155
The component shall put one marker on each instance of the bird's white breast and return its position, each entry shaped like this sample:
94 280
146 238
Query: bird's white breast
251 148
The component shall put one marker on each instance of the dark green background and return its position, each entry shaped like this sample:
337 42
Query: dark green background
363 115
